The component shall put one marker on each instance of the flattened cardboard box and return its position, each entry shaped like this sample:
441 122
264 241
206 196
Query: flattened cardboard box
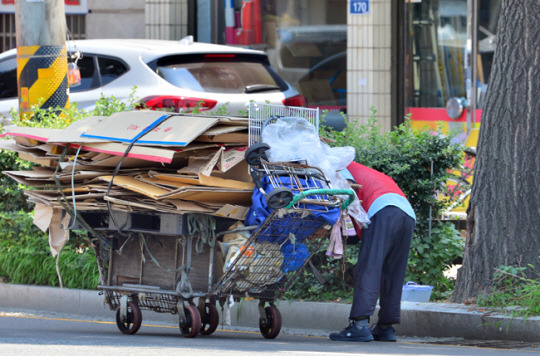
151 128
230 157
201 179
31 133
233 212
135 185
31 137
226 134
72 133
33 155
203 163
237 197
154 154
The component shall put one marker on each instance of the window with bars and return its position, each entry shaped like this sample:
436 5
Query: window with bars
76 25
7 31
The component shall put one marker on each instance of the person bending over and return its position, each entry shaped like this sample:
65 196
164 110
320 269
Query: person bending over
382 260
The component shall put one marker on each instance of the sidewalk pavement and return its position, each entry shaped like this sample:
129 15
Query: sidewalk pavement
437 320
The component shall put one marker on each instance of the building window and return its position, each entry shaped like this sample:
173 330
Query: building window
76 25
306 41
436 50
7 31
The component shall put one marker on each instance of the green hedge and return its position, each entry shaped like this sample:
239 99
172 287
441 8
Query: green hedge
419 161
25 257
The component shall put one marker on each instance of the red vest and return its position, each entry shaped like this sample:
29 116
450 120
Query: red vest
373 184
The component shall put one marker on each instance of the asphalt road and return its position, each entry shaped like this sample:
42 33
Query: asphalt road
25 333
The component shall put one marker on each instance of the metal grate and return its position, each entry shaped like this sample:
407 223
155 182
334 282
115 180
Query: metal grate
7 32
76 25
158 302
260 114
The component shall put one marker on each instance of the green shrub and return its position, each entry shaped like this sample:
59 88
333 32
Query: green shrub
12 196
25 257
419 161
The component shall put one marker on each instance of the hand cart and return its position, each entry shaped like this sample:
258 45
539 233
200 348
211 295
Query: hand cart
275 254
165 262
157 261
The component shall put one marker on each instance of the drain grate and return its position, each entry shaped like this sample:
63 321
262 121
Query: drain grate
495 344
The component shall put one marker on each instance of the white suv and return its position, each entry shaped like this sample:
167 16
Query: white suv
166 74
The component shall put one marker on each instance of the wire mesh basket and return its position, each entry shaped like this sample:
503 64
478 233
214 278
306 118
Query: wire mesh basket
272 258
260 114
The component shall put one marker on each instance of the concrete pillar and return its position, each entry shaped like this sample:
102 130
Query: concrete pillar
369 63
41 54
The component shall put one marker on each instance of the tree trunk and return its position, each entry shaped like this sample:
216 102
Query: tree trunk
503 223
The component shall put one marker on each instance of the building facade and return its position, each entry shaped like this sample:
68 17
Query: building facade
398 56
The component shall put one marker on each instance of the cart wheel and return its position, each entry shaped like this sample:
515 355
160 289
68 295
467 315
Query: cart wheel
279 197
209 319
133 319
271 326
255 153
190 325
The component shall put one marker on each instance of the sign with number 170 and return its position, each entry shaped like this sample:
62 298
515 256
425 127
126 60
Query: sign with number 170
359 7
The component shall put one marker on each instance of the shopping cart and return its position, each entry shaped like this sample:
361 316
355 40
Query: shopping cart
302 207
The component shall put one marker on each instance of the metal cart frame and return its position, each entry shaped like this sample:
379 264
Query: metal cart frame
152 261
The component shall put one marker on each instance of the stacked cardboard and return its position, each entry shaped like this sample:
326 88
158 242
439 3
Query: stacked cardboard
137 161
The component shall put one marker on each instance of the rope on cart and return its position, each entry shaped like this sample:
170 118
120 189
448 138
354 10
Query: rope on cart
148 129
156 262
204 227
104 243
184 286
73 187
73 212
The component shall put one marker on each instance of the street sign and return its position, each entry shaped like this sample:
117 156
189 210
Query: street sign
359 7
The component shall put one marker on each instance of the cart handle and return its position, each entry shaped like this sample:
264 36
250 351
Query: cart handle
306 193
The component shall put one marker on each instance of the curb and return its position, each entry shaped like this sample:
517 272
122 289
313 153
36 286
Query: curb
417 319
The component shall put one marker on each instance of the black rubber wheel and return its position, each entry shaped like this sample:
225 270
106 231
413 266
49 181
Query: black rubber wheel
133 319
190 325
271 326
255 152
209 319
279 197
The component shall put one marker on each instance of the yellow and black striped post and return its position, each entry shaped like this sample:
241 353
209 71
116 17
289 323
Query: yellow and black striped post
42 78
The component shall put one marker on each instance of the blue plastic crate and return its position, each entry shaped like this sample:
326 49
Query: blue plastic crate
413 292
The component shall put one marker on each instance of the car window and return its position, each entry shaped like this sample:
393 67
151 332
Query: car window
89 79
110 69
8 78
225 73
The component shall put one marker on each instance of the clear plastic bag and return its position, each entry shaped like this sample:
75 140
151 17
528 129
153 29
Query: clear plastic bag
294 138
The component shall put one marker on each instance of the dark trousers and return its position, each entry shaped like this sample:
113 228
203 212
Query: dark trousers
382 261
